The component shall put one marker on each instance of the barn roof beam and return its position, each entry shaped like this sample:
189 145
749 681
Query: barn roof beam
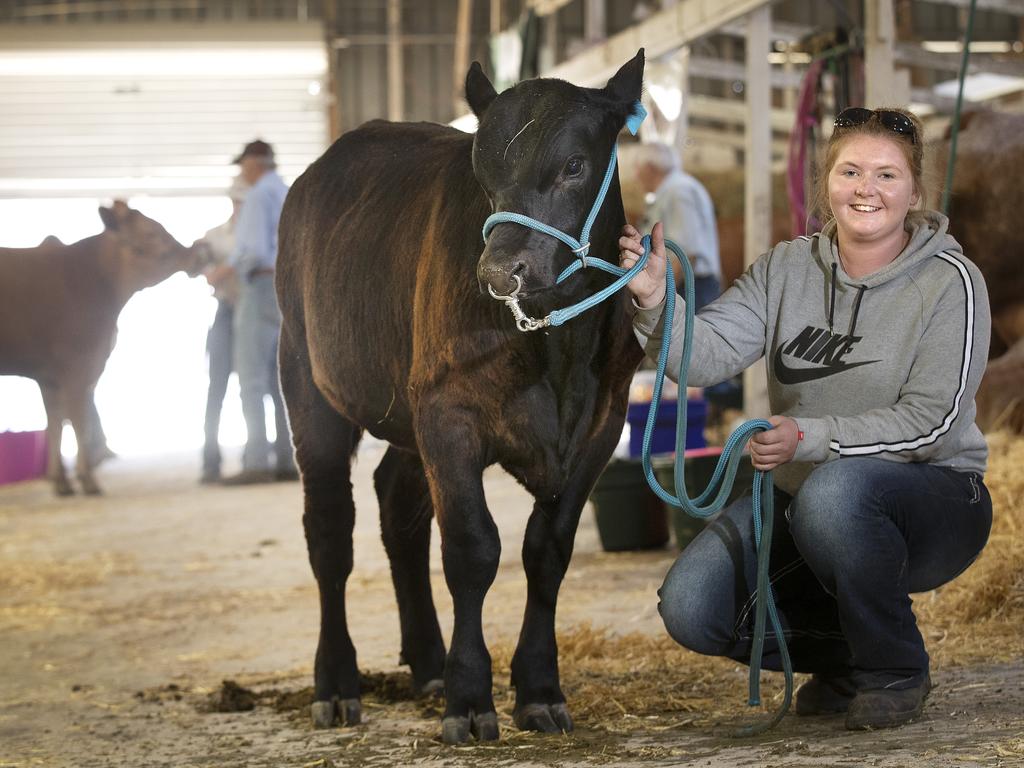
723 69
1000 64
661 32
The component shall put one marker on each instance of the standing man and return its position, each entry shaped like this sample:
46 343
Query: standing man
258 318
220 343
685 209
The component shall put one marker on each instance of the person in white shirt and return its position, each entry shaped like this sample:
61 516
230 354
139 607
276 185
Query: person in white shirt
683 206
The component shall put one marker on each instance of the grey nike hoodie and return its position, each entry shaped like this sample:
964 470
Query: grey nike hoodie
885 366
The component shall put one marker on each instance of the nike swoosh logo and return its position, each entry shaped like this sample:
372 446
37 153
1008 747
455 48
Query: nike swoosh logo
787 375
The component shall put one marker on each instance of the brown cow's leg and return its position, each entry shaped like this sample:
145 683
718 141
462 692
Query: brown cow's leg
324 444
470 549
547 548
405 516
54 433
79 406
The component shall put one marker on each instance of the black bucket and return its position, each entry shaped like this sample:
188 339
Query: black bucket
628 514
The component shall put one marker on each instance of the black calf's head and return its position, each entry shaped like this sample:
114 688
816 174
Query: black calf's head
542 150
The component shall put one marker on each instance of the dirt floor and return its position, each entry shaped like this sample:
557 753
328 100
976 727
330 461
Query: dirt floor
122 617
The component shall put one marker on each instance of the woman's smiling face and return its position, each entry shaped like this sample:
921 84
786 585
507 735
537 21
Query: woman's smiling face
870 189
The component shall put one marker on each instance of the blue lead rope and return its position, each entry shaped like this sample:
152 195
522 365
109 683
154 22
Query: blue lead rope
725 471
719 487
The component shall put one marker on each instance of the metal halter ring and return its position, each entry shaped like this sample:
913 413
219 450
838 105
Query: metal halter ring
511 296
524 322
582 253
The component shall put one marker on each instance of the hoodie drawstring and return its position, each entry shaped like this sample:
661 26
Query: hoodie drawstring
832 299
832 304
856 309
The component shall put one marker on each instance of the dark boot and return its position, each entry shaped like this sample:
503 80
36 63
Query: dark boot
886 708
825 695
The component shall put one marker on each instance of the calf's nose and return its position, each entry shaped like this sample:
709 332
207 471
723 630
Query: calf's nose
500 277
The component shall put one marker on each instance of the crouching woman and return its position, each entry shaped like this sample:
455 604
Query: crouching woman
876 333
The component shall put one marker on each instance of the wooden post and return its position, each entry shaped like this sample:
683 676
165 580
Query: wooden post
396 79
594 21
495 17
333 97
882 85
461 58
683 121
548 42
757 202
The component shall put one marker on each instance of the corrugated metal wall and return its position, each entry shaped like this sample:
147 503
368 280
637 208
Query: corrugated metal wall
155 109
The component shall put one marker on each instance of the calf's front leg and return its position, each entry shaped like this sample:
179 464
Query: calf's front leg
470 549
547 549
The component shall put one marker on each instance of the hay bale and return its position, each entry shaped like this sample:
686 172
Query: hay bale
978 616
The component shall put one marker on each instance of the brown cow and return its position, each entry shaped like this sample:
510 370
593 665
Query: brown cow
986 200
58 317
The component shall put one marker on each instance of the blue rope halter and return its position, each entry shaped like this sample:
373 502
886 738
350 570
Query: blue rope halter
725 471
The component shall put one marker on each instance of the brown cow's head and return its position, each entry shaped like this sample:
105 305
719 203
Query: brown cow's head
542 150
146 251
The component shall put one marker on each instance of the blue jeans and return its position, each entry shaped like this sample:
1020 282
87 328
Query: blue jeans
256 329
219 353
860 535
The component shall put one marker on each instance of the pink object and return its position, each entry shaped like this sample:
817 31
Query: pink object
22 456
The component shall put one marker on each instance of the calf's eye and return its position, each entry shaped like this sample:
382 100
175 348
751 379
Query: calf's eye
574 167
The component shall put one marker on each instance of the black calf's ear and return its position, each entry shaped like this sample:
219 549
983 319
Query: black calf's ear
627 84
479 91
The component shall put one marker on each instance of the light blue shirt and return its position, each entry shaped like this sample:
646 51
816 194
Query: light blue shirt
256 230
685 209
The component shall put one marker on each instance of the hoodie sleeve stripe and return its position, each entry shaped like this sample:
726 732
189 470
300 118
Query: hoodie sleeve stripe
965 365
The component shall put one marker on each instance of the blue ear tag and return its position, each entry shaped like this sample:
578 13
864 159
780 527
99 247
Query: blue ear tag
636 117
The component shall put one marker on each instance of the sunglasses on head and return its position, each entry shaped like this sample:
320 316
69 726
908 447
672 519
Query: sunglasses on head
896 122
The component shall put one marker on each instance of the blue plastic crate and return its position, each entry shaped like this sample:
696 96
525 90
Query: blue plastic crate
664 438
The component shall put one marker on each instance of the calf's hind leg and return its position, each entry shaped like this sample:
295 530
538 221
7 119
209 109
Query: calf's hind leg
324 444
405 517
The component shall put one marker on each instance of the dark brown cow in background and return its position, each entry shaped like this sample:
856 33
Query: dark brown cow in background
986 204
58 317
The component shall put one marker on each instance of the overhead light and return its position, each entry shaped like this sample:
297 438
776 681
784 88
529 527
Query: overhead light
978 46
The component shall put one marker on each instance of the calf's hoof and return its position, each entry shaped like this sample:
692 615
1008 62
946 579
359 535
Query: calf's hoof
63 488
456 729
546 718
325 714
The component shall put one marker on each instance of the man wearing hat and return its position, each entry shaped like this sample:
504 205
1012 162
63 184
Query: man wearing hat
257 321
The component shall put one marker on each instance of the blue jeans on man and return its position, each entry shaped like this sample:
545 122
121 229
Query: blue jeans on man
256 328
859 536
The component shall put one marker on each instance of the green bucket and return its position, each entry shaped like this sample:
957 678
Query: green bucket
628 514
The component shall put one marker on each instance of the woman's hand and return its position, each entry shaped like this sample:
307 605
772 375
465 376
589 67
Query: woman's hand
776 446
648 285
